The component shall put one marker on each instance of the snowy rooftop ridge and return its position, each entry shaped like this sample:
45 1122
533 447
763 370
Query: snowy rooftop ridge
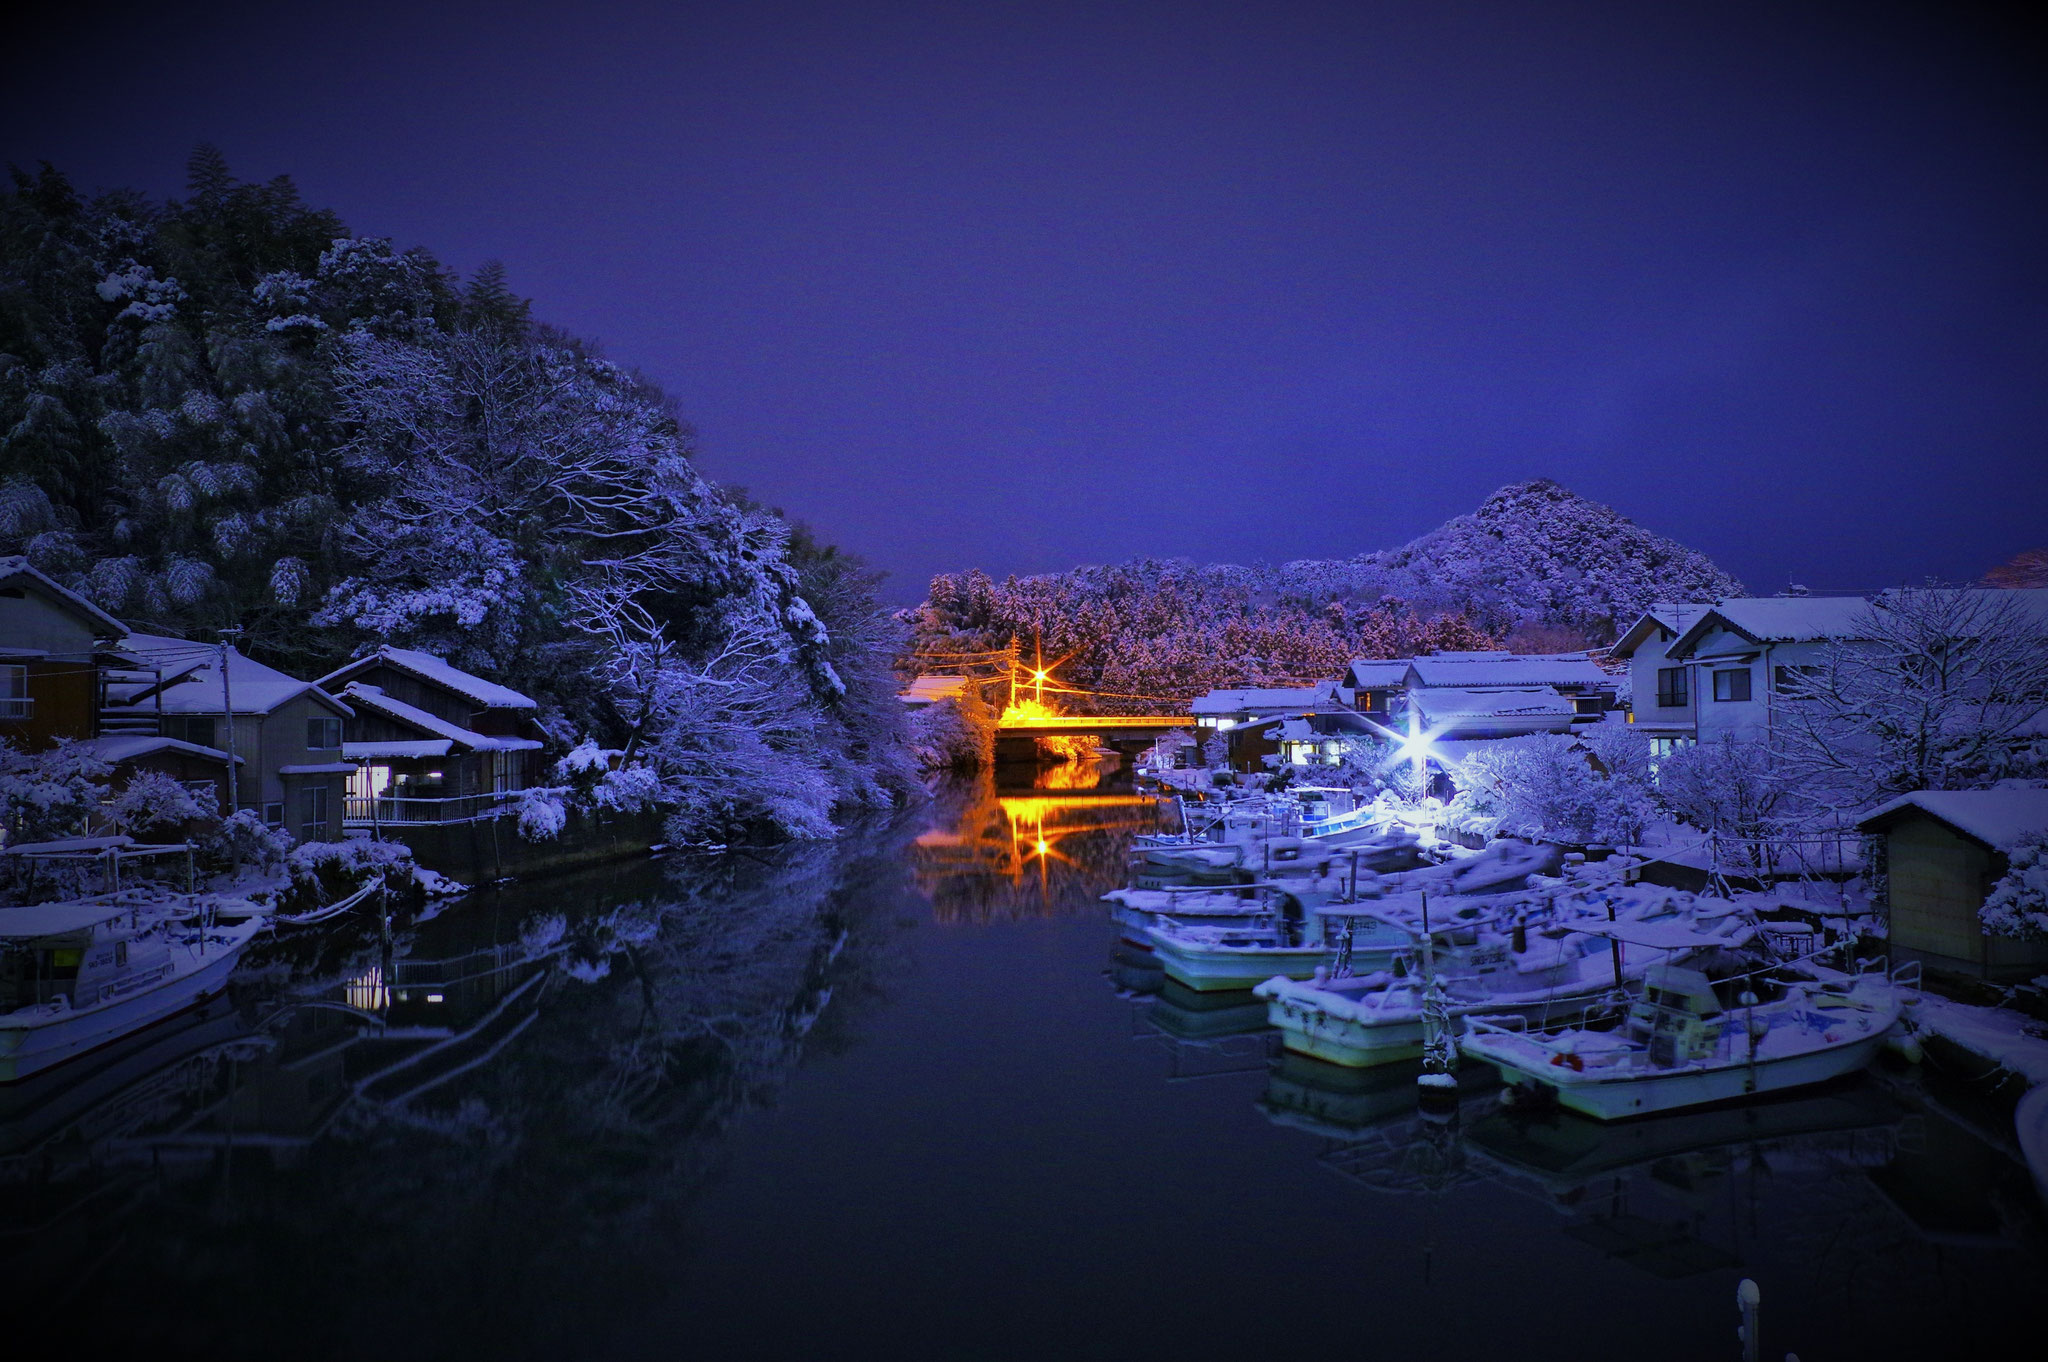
1230 700
1997 818
1779 619
1508 669
1448 702
373 697
253 687
120 747
1367 673
14 565
439 672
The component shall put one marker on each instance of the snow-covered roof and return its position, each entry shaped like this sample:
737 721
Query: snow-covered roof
316 768
1779 619
104 625
1507 669
435 671
373 697
1673 617
253 687
1519 702
1997 818
426 747
1374 673
119 747
929 690
1263 697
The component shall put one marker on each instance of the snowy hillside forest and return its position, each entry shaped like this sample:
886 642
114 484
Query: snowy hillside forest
230 410
1535 567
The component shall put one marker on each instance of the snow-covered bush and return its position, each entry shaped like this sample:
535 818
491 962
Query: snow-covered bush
2018 903
320 873
242 842
955 734
154 802
49 794
1546 786
542 814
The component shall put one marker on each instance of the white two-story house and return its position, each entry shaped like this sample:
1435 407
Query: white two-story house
1662 696
1740 655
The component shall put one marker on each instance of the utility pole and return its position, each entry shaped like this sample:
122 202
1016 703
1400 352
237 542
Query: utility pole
227 704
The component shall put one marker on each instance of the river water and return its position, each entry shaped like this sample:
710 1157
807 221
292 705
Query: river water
904 1096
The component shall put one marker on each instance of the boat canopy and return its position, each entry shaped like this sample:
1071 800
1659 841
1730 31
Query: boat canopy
56 919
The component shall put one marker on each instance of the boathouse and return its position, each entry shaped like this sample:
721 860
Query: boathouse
1944 850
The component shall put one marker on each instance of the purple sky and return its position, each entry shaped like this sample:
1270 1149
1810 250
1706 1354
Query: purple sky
1025 285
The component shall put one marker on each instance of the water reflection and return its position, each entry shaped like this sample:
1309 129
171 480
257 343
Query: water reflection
438 1125
993 854
495 1133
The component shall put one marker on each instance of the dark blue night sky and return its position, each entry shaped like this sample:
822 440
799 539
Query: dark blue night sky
1024 285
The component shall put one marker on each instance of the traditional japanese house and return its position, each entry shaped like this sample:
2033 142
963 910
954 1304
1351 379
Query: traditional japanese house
432 743
284 734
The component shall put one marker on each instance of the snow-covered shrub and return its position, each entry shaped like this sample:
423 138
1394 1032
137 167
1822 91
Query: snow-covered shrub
956 734
542 814
1546 786
242 842
154 802
629 789
48 794
324 872
2018 903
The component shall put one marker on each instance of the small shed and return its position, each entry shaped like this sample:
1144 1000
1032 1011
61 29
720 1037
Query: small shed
1944 850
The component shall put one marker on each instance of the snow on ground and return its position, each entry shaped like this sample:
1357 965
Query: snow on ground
1999 1034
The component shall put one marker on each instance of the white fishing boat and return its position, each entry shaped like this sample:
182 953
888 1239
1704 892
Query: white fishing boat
1136 909
1535 971
1681 1047
1304 931
76 976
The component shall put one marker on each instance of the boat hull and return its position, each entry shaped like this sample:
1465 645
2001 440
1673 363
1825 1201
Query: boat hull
1308 1029
1209 968
1621 1097
33 1041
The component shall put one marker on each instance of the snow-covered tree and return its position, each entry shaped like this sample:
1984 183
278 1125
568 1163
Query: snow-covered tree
1546 785
1937 689
153 802
2018 904
1734 790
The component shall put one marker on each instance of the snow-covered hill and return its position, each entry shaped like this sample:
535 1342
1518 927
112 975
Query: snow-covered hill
1533 554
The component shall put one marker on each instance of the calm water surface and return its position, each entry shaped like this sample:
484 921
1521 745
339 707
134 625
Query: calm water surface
906 1097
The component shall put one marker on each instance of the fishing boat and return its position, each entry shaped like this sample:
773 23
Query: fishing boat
1681 1047
76 976
1532 972
1303 932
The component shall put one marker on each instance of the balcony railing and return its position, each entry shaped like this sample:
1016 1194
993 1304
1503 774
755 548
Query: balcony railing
454 809
17 706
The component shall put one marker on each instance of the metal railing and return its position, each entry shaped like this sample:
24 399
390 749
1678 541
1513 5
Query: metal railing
359 810
17 706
